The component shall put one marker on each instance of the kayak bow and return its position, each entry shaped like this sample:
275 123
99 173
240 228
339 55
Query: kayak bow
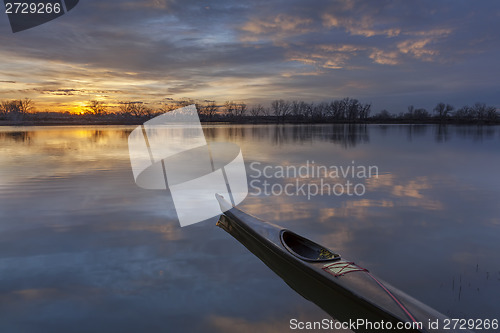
341 288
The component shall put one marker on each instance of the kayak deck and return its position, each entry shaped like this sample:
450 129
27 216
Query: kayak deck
341 288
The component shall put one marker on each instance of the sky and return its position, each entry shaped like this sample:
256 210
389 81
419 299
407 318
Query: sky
388 53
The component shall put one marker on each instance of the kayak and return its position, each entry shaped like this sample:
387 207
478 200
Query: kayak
346 291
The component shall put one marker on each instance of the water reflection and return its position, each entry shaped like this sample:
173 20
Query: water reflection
346 135
17 136
442 133
78 237
26 134
416 131
477 133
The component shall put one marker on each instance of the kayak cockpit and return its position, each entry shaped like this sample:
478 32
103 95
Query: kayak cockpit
306 249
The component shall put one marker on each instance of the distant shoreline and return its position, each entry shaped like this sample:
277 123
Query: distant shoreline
249 121
345 111
65 123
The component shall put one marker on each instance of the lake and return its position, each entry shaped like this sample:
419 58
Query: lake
83 249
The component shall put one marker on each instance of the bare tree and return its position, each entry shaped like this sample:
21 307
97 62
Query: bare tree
364 112
96 108
465 113
335 110
346 108
9 107
383 115
296 110
167 107
147 111
209 109
320 111
443 110
266 111
257 110
350 108
480 111
280 108
18 106
491 113
421 114
126 108
308 109
301 109
230 108
240 109
138 109
410 112
25 105
16 109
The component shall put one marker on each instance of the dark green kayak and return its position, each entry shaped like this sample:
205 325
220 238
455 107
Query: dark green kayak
346 291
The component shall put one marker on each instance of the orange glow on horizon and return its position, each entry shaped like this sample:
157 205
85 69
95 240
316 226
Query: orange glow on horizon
79 108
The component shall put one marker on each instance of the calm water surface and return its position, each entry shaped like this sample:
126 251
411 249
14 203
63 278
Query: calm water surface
83 249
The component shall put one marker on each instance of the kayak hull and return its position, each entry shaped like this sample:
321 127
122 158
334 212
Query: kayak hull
352 295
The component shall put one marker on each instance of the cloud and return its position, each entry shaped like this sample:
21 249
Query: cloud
329 56
410 193
258 51
363 27
419 49
384 57
276 27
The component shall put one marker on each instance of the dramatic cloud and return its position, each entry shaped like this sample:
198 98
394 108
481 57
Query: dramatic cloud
389 53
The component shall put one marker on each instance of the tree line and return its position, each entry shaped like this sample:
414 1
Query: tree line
479 112
345 110
16 108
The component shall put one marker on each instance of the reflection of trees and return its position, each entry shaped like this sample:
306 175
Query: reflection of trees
442 134
476 133
280 135
350 135
234 132
347 135
97 135
383 129
210 132
17 136
224 132
414 131
125 133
